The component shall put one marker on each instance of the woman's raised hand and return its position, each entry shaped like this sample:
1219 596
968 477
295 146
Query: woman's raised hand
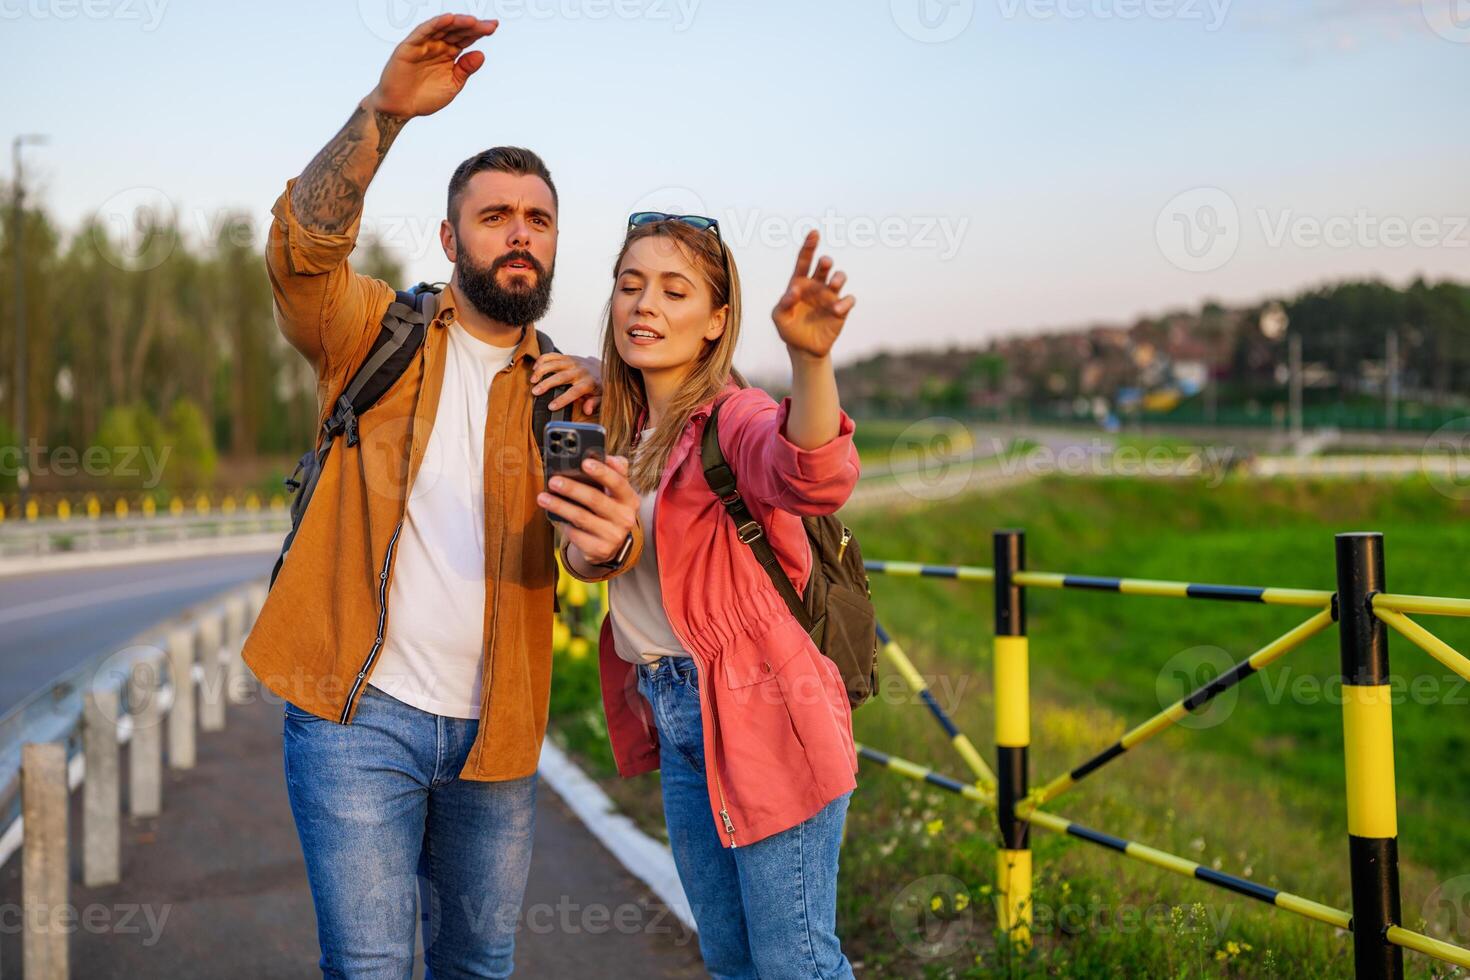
812 311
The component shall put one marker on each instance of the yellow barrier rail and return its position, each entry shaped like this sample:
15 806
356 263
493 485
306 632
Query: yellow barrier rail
1362 611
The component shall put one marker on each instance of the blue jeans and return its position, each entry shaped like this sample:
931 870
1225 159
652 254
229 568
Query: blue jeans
388 829
767 909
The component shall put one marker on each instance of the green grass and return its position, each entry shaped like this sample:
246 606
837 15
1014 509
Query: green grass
1258 792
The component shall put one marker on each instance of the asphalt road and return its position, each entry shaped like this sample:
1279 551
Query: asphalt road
53 621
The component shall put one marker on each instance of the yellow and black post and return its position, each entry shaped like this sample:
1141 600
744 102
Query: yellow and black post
1012 738
1367 729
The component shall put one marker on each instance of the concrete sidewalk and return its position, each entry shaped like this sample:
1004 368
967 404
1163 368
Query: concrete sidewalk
215 887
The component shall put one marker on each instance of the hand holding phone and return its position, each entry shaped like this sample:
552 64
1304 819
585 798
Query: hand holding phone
566 445
587 493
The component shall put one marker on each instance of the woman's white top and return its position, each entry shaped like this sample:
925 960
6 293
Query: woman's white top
641 630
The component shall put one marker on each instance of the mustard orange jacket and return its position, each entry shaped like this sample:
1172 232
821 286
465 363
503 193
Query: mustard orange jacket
321 629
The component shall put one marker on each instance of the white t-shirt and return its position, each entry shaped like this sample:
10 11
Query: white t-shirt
641 630
432 649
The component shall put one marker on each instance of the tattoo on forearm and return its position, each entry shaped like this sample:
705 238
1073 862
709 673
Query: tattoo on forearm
328 195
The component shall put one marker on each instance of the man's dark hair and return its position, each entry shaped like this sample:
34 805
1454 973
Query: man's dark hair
507 159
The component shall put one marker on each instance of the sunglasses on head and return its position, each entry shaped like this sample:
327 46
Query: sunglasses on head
698 221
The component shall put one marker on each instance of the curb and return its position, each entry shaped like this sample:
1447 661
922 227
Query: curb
645 858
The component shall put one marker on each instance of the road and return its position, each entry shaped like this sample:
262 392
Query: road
54 621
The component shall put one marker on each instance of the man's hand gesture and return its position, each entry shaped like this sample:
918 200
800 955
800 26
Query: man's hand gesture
430 66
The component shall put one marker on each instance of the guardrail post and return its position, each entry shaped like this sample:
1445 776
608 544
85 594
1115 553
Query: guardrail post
1012 738
181 712
237 674
43 862
145 745
212 688
1367 729
100 808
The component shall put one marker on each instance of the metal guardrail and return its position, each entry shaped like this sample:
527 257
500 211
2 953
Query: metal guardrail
54 536
154 695
1362 612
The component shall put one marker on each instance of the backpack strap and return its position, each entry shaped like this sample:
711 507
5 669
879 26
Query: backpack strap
721 480
400 338
404 324
541 412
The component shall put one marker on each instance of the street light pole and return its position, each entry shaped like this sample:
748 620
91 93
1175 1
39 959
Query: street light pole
17 226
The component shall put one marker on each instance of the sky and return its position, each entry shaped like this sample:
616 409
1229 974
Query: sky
980 168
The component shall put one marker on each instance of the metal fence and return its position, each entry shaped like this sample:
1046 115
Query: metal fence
1361 610
153 696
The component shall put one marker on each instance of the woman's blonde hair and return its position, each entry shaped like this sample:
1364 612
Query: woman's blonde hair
623 395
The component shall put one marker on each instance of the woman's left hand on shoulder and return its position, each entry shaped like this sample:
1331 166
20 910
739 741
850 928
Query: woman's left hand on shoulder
583 375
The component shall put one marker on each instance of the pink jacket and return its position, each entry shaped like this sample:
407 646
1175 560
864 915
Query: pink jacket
777 727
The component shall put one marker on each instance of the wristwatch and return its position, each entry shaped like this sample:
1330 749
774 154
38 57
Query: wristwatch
616 561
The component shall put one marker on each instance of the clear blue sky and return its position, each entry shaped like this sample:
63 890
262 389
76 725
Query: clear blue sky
990 166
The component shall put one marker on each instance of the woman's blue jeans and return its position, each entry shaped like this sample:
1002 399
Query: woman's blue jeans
767 909
392 836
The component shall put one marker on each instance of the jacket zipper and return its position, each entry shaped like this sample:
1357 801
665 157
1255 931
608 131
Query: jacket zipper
382 620
367 664
714 763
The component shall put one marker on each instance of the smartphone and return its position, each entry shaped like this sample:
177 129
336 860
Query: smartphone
566 445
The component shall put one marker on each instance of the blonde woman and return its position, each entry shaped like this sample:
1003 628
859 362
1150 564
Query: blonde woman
706 675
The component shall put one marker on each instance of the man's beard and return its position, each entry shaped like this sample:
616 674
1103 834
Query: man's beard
515 306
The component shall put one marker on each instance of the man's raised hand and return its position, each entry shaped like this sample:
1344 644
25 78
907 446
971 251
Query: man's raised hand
430 66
